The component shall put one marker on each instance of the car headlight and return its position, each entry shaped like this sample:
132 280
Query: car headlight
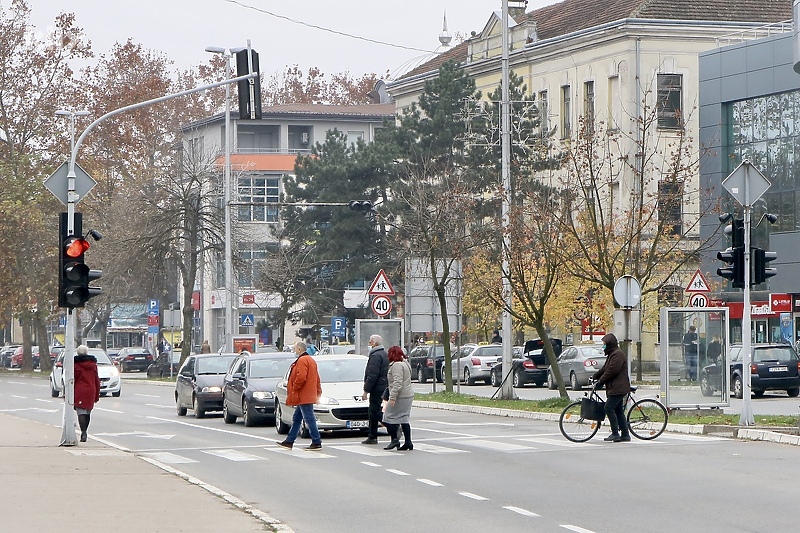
114 372
262 395
326 400
211 389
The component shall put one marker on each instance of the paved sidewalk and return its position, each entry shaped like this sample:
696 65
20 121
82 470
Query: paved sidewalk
95 488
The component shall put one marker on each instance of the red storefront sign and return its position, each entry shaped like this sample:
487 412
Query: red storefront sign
780 302
248 299
196 300
757 310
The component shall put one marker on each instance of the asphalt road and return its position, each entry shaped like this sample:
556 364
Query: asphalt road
467 472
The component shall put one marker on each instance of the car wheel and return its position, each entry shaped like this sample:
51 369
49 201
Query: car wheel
121 368
573 382
737 387
495 381
226 416
116 394
517 381
247 416
280 427
421 375
199 412
103 394
551 383
705 387
467 379
793 393
179 408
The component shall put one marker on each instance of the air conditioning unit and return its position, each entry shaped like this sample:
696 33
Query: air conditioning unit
304 138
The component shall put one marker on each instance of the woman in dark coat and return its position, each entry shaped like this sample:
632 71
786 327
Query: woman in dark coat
87 387
614 375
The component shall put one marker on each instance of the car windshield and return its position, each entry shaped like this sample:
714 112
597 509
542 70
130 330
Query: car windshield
102 358
269 368
217 364
341 370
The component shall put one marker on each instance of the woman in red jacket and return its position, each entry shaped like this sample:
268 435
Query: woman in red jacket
87 387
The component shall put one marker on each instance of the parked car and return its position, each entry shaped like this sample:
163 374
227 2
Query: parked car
110 381
341 405
199 383
6 353
578 364
337 349
474 362
16 359
773 367
160 368
248 389
426 362
134 358
529 364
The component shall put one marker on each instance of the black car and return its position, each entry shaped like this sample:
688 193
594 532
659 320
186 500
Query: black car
531 366
160 368
133 358
773 367
248 389
199 383
426 362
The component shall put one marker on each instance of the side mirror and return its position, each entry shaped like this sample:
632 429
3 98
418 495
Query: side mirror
238 375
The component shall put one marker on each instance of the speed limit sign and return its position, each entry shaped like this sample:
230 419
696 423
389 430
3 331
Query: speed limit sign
381 305
698 299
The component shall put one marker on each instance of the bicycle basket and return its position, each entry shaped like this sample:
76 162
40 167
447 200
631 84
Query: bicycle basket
592 409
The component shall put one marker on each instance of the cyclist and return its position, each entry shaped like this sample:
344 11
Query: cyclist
614 375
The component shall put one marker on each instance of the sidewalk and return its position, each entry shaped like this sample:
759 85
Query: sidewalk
95 488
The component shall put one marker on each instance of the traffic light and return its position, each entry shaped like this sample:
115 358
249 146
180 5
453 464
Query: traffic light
360 205
735 272
249 90
74 274
760 260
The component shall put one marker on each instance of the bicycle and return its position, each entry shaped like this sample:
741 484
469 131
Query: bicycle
647 418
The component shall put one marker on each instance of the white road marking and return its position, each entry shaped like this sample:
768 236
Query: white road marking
207 428
169 458
29 409
49 401
369 463
523 512
481 424
234 455
142 434
576 529
556 442
20 397
299 452
496 446
429 482
109 410
160 406
432 448
148 395
364 450
473 496
398 472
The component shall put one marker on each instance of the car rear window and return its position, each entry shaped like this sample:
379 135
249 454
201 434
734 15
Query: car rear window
774 353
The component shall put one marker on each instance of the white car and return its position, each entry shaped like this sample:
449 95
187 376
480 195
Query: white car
341 405
110 382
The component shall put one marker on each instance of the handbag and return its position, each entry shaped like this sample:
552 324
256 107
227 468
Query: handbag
593 409
385 396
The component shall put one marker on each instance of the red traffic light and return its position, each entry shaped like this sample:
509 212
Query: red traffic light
75 247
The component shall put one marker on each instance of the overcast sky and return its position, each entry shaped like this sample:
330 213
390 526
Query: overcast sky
182 29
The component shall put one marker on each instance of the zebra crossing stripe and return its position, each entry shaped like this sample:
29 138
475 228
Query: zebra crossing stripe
234 455
169 458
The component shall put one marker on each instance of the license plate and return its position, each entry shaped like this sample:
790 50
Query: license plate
139 358
358 423
778 369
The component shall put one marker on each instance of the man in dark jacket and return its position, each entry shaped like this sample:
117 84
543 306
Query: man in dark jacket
614 375
375 382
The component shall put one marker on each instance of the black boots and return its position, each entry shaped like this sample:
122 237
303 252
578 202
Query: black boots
392 429
83 422
407 445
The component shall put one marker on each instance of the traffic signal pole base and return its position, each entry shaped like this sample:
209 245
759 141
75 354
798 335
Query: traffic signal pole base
68 434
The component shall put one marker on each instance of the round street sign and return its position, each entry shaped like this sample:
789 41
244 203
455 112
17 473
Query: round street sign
381 305
627 291
698 299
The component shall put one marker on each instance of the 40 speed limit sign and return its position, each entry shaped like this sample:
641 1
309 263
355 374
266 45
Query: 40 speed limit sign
381 305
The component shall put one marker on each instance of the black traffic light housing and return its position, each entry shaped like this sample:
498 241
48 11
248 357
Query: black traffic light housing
250 89
735 272
360 205
760 271
74 275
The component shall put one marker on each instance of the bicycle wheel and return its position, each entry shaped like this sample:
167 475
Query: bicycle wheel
647 419
574 427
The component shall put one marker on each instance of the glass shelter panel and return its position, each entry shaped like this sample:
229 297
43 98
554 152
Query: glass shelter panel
694 357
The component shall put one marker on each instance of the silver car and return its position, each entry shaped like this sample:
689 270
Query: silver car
474 362
577 364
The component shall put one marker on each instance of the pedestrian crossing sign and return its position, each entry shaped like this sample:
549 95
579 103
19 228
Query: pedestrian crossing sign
247 321
381 285
698 283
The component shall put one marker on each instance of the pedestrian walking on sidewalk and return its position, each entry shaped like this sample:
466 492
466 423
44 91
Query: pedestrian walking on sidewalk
302 391
614 375
375 382
87 388
205 348
401 396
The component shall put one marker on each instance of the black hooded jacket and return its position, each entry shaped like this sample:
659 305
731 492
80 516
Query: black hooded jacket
614 372
375 380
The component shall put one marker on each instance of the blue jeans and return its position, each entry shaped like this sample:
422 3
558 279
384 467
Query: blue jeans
304 412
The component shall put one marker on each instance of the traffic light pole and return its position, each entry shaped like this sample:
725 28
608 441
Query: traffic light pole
746 418
68 434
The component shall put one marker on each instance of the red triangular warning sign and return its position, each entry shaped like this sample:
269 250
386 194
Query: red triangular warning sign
698 283
381 285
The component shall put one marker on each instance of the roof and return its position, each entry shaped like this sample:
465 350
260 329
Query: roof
574 15
326 109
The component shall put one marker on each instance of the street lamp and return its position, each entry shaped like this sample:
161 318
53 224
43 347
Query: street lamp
227 53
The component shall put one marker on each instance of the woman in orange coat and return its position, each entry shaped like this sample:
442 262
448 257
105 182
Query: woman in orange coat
87 387
302 391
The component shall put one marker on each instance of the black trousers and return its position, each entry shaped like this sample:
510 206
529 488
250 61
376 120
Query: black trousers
375 414
615 411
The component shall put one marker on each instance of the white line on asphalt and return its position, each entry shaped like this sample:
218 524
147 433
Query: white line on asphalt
576 529
160 406
363 450
49 401
445 432
110 410
299 452
148 395
398 472
473 496
432 448
496 446
520 511
170 458
555 442
20 397
429 482
196 426
368 463
468 423
234 455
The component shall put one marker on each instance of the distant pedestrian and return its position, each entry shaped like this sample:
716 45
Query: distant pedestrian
375 382
690 346
614 375
714 350
87 387
302 391
496 338
205 348
401 396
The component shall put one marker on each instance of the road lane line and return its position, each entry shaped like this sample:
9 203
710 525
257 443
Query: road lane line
398 472
429 482
20 397
169 458
109 410
369 463
432 448
148 395
556 442
473 496
160 406
479 424
363 450
219 430
523 512
497 446
576 529
234 455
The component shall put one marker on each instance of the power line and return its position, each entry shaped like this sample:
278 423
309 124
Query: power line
300 22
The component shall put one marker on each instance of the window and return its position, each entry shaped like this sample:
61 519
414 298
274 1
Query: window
670 200
354 136
544 112
566 104
614 107
588 106
258 139
255 192
669 101
252 256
